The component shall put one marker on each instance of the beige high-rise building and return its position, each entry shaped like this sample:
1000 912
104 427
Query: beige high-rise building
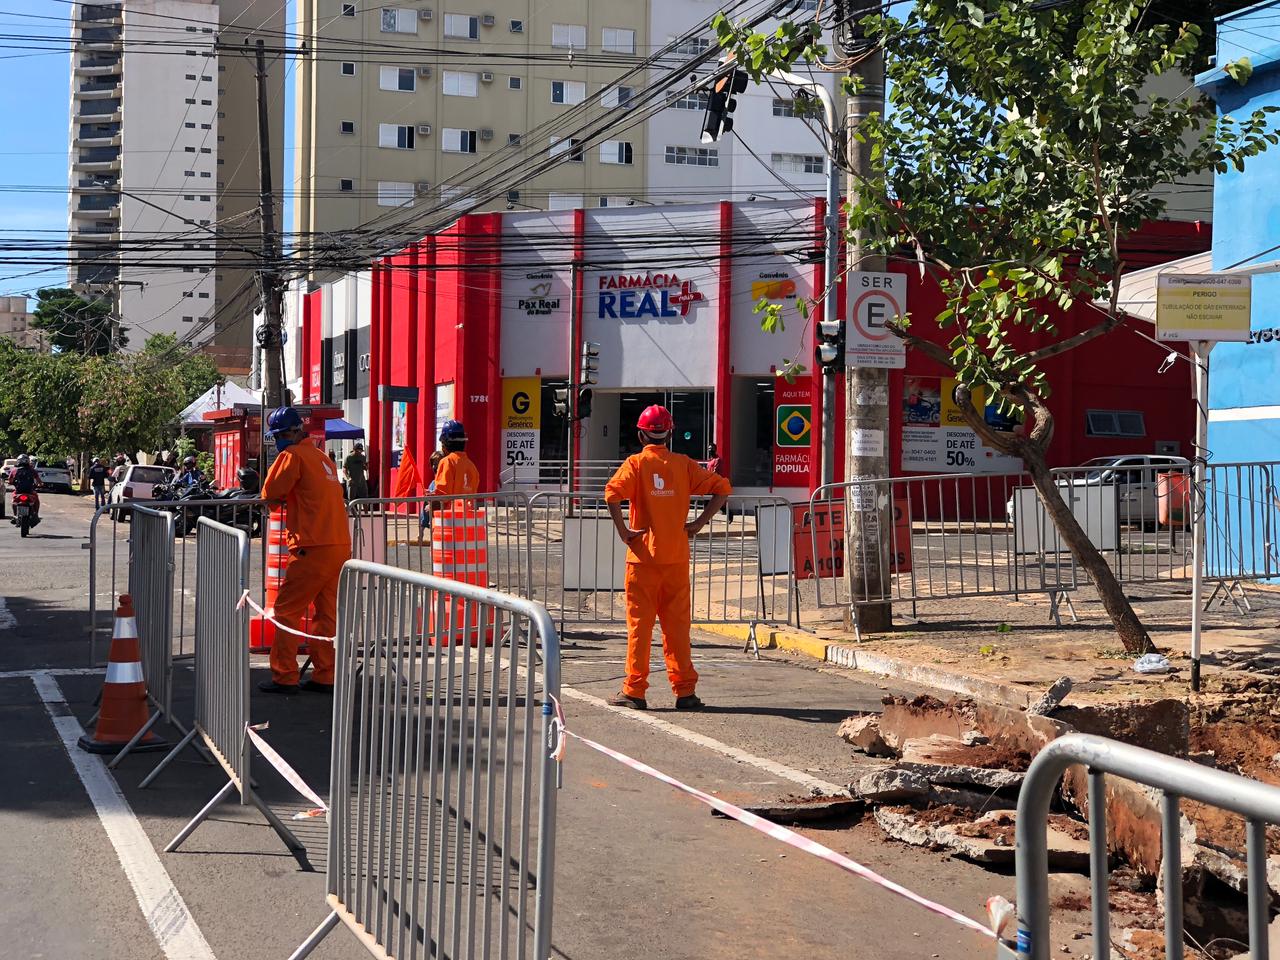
164 164
15 325
397 103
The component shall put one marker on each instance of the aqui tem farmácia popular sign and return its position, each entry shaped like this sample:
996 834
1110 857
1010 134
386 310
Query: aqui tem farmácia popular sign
792 432
1203 306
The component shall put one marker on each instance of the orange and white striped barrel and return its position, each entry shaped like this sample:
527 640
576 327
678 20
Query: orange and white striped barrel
460 552
262 631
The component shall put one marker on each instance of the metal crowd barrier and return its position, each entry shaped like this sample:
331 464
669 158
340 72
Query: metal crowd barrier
110 532
151 586
397 532
438 843
741 568
222 673
1257 803
590 476
1242 543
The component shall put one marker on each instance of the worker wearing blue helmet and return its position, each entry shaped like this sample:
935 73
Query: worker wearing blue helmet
456 476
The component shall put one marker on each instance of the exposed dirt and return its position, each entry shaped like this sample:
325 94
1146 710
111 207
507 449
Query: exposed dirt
798 800
1244 738
924 704
989 756
945 813
999 829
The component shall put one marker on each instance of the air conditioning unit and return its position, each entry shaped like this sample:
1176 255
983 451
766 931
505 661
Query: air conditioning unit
421 187
486 77
486 133
424 71
424 129
487 20
425 13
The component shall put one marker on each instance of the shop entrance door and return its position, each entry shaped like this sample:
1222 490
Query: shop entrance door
694 413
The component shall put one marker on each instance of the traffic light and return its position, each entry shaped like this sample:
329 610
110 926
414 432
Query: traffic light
718 119
584 403
560 406
829 349
590 363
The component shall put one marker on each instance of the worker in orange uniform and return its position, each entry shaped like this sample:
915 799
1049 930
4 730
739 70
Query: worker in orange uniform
658 484
319 540
456 476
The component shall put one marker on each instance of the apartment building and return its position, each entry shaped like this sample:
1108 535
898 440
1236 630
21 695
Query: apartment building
402 106
163 164
15 325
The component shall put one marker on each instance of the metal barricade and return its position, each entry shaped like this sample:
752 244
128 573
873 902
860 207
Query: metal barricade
589 476
1257 803
438 843
1242 518
109 535
398 533
741 568
222 673
151 586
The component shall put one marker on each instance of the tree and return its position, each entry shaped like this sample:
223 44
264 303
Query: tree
196 371
1018 151
77 324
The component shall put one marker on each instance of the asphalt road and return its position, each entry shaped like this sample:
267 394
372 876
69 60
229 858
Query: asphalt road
643 871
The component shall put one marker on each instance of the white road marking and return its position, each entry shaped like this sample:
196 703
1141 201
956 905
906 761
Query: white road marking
162 906
51 672
7 620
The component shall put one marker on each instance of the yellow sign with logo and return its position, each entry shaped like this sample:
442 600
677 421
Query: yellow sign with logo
1203 306
950 410
521 403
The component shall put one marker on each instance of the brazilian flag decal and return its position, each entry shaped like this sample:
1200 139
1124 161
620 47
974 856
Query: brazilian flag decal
794 425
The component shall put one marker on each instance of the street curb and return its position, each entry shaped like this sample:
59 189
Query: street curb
851 657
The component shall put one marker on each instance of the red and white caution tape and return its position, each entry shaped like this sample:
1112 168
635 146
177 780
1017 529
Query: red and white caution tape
248 601
291 775
789 837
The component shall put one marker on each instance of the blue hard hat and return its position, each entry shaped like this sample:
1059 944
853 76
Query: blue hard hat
282 419
453 430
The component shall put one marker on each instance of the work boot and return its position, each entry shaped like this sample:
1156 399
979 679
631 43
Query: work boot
631 703
315 686
270 686
689 701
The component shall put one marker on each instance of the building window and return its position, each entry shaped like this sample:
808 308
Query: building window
395 136
514 83
401 79
189 126
348 9
691 101
205 197
190 102
1115 423
783 107
571 145
619 96
517 26
458 141
569 35
460 83
395 194
191 76
346 186
693 156
618 40
691 47
512 139
188 319
398 20
348 68
796 162
189 149
459 26
613 201
616 151
568 91
346 126
564 201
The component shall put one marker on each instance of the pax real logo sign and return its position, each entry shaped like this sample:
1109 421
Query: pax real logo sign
636 296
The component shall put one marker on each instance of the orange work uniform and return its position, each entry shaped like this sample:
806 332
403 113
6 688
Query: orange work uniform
319 539
457 476
658 485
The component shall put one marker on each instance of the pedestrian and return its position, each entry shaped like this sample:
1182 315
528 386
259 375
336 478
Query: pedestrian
456 476
714 463
424 516
121 465
658 485
319 541
356 467
98 474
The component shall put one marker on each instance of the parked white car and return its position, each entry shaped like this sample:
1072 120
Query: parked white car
139 481
54 477
1136 478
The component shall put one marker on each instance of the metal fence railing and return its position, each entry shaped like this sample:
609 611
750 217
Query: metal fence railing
222 673
442 820
589 476
399 533
1242 542
151 586
741 562
110 532
1257 803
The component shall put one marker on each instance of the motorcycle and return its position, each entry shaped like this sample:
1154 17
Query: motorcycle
26 512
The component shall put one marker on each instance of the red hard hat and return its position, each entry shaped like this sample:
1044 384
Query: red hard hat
656 419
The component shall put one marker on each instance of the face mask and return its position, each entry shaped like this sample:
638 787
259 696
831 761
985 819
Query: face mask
282 442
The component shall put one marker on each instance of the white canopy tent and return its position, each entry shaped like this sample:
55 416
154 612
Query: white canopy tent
217 397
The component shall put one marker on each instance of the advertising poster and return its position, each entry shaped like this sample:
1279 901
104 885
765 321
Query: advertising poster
793 433
399 428
521 426
935 437
444 410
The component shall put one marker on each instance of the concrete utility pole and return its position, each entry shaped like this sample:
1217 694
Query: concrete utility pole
270 338
869 516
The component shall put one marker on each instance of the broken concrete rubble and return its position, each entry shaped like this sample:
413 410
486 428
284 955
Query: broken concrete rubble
988 839
1052 698
940 759
890 786
863 733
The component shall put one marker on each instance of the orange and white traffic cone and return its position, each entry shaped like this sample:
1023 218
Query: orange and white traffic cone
123 713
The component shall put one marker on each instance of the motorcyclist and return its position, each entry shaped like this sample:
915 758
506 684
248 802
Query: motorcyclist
25 479
249 482
191 475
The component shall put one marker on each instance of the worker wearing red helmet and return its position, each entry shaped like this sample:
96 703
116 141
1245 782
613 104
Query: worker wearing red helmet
658 484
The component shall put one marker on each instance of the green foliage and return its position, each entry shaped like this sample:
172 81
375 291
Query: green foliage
77 324
1019 150
186 447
